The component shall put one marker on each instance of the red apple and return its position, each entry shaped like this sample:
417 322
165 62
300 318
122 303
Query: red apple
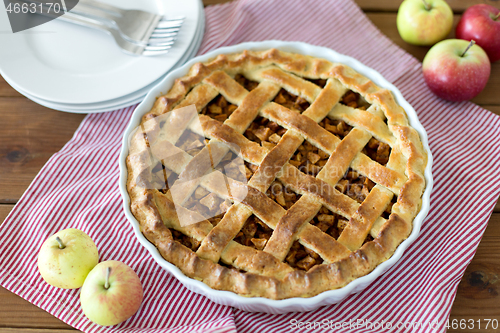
112 293
456 70
482 24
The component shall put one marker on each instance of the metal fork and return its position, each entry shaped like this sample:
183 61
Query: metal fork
137 25
126 45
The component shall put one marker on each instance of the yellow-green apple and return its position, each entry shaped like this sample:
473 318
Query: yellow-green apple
456 70
424 22
112 293
66 258
482 24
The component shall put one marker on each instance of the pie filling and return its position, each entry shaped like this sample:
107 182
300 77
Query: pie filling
265 132
355 186
254 233
319 82
187 241
290 101
377 151
300 257
162 177
219 109
308 158
246 83
354 100
282 194
191 142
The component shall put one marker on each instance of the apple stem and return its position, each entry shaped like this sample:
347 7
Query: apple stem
427 6
61 245
496 17
106 284
472 42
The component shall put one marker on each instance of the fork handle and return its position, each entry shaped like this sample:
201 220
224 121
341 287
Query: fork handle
86 10
94 12
75 18
84 21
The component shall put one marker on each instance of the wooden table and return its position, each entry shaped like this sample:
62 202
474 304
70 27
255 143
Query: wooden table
32 133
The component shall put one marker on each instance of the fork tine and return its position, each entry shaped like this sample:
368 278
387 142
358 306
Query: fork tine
163 35
166 30
169 24
161 41
171 20
151 50
159 46
158 35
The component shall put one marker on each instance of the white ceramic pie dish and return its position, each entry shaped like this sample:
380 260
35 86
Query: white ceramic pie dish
259 304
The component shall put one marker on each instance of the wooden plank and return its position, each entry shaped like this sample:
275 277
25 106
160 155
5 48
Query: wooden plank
213 2
493 108
30 135
386 22
37 330
458 6
17 312
490 93
4 211
478 295
6 90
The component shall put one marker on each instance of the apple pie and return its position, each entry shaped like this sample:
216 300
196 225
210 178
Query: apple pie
333 174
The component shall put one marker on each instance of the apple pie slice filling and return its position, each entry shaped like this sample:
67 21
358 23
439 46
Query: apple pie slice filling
354 100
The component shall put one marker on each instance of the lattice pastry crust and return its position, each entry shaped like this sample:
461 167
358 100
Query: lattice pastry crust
262 267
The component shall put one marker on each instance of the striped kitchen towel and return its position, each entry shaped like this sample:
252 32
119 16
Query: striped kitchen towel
78 188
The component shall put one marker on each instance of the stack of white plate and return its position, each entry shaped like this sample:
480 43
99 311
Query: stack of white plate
76 69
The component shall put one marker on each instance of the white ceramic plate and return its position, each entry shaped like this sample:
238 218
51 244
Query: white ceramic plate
65 63
125 101
259 304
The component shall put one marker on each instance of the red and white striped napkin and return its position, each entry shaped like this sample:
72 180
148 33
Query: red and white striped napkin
78 188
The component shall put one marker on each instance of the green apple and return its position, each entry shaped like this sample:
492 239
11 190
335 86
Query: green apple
424 22
112 293
66 258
